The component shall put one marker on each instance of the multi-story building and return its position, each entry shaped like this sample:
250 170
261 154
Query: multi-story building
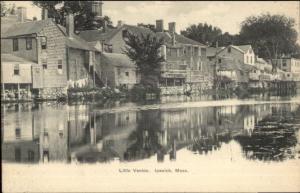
185 59
64 59
291 66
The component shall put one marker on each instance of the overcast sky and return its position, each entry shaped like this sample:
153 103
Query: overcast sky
225 15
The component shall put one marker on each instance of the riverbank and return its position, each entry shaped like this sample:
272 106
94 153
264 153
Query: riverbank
142 94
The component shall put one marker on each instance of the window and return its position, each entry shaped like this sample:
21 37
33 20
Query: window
284 63
59 67
247 60
15 45
119 71
229 49
44 43
18 133
184 51
28 43
16 70
127 73
44 63
219 60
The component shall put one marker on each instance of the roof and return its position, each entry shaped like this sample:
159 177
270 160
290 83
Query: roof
241 48
26 28
8 21
211 51
34 27
245 48
184 40
98 35
75 41
13 58
118 60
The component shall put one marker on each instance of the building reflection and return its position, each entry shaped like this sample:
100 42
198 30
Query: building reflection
50 132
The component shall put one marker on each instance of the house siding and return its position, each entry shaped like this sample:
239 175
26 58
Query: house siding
56 50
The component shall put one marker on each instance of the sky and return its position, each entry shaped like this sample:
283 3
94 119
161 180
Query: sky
225 15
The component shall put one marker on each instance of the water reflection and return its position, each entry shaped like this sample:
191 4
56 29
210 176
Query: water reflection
50 132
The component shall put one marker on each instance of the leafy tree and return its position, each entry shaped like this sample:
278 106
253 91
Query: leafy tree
144 50
83 17
204 33
270 35
4 8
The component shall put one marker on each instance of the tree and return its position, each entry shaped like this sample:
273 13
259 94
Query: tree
83 17
204 33
144 50
4 8
270 35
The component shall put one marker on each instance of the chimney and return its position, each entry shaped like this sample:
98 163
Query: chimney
120 23
172 27
44 14
97 9
22 15
160 25
70 25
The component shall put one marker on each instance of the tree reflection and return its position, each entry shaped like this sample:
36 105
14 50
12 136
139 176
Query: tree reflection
144 140
273 139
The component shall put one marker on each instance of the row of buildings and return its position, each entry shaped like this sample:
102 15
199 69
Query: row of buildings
44 59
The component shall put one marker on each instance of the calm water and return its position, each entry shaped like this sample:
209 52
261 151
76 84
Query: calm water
165 131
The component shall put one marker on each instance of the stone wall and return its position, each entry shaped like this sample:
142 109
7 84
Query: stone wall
52 93
195 88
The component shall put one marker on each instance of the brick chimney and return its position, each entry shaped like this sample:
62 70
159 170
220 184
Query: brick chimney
44 14
22 14
172 27
97 9
70 25
120 23
160 25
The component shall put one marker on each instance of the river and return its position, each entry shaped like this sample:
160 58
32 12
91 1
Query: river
176 134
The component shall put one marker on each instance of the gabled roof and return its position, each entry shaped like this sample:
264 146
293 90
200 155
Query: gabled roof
211 51
245 48
241 48
8 21
13 58
184 40
34 27
98 35
75 41
26 28
118 60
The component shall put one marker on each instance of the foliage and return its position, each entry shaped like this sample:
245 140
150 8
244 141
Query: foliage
144 50
83 17
204 33
270 35
7 8
139 92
